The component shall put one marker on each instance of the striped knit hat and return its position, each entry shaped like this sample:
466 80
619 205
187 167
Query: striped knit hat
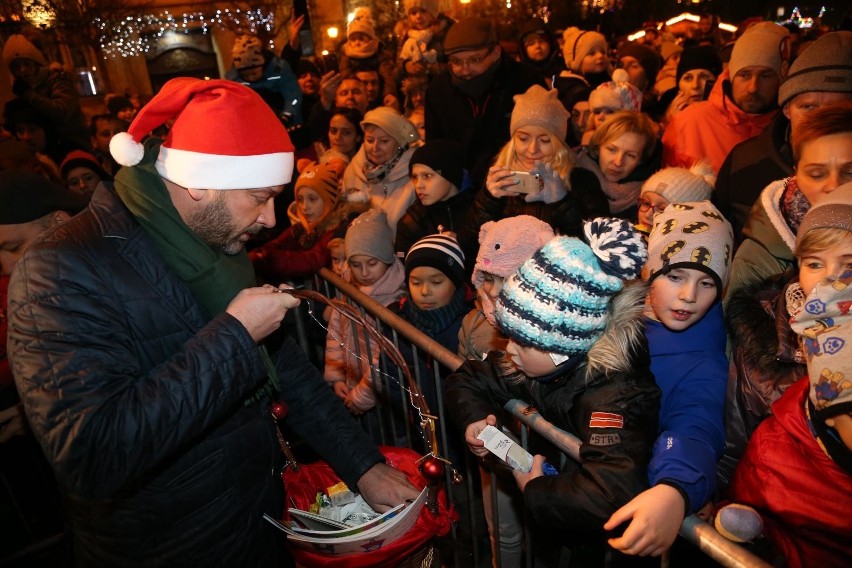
558 300
441 252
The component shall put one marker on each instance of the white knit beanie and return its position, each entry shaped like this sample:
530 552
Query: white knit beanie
680 185
397 126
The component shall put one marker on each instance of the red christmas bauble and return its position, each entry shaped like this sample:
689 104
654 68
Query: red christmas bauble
432 468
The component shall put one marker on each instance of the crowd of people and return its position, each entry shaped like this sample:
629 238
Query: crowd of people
650 242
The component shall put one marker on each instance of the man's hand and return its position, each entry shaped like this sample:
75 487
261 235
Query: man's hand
328 88
383 488
261 310
293 29
656 514
474 444
537 470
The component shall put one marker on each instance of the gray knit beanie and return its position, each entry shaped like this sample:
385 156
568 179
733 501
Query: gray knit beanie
763 45
833 212
680 185
691 235
825 66
370 235
540 107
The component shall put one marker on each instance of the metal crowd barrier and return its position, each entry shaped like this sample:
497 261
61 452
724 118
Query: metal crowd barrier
379 424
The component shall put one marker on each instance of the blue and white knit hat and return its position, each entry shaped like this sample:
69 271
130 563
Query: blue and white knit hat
558 300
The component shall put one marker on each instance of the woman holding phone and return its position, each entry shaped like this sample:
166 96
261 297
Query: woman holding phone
534 173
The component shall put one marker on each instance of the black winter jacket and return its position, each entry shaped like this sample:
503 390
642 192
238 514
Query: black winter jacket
613 460
137 398
480 125
749 168
420 221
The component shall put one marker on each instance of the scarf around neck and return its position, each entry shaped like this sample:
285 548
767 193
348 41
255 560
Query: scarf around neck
620 195
213 277
376 173
433 322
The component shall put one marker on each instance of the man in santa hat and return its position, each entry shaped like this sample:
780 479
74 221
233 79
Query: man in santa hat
136 338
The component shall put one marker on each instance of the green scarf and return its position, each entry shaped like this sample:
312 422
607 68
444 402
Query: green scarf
213 276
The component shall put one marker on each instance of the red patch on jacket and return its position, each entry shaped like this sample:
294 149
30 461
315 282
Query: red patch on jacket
606 420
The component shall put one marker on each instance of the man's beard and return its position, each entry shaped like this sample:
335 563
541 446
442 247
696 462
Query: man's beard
754 104
215 226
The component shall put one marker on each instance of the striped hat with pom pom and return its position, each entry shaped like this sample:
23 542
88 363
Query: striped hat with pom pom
224 136
558 300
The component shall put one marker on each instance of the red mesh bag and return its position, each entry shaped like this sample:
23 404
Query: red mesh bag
302 486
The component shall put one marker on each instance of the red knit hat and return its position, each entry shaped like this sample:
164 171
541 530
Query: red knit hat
224 137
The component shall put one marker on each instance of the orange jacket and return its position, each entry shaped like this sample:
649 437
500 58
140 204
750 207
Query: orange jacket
710 129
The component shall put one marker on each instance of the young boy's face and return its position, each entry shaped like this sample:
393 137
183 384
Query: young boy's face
819 265
310 205
681 297
366 270
430 288
419 19
491 285
430 186
594 61
338 258
530 361
359 39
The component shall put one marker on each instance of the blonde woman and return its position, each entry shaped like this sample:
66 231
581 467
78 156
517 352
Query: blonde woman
562 195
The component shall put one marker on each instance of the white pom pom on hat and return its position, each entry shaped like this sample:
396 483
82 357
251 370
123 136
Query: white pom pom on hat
224 136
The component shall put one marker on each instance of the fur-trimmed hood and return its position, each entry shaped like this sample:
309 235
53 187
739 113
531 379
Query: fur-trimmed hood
624 333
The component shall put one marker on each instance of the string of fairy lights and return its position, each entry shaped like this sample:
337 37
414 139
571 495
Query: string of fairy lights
136 35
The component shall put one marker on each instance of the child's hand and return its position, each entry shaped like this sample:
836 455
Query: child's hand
500 181
537 470
655 517
350 405
474 444
340 389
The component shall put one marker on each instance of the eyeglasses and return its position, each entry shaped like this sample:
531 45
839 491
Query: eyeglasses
645 205
475 61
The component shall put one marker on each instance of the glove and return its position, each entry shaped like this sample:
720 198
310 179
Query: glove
19 87
552 189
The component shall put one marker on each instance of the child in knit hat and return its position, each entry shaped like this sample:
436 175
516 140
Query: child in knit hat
317 212
689 259
378 273
673 185
503 247
567 195
797 468
364 51
576 353
421 38
607 99
443 198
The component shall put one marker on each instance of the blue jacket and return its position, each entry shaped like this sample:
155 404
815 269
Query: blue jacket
278 87
691 369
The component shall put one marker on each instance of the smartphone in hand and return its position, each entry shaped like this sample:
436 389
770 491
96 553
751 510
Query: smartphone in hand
527 183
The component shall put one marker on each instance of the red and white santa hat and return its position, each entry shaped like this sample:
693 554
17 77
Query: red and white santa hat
224 136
